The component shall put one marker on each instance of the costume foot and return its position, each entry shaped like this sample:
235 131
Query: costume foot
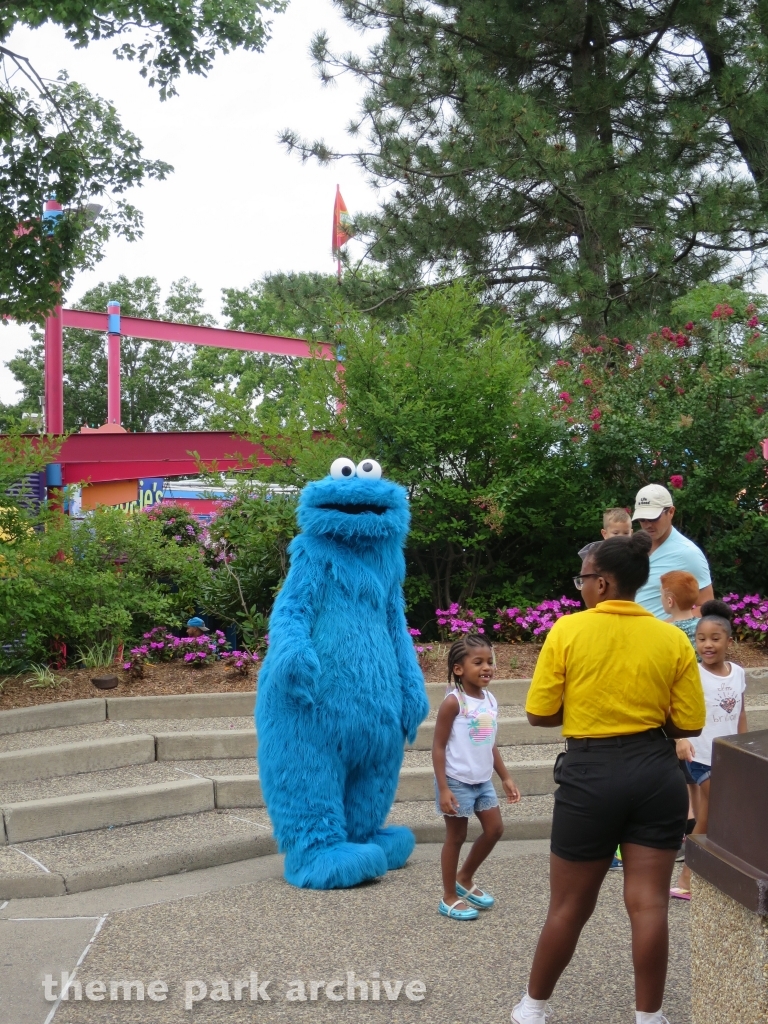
335 867
397 842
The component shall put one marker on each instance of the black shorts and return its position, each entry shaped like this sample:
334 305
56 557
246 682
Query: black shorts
613 791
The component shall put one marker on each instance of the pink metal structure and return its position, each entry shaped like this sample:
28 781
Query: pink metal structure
98 457
54 373
109 454
113 363
114 325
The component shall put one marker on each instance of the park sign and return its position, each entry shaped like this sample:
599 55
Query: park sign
150 492
129 495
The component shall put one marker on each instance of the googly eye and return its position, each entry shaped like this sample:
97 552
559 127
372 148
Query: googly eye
369 469
342 469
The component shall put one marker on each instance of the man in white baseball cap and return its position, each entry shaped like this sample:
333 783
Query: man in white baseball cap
654 510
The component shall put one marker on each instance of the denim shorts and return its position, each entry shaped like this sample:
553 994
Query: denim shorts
699 772
472 799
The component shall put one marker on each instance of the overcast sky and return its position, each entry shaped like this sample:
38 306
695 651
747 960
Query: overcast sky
237 205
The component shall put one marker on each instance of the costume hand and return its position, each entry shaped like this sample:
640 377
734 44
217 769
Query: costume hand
302 672
685 750
448 802
513 793
415 709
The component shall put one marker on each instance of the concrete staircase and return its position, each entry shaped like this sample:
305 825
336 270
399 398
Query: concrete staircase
104 791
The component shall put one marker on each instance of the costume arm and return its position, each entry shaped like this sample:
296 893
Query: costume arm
415 700
292 657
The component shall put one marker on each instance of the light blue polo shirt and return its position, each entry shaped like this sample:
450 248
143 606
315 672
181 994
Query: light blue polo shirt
677 552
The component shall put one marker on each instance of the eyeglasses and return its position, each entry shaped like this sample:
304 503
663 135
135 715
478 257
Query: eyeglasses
578 581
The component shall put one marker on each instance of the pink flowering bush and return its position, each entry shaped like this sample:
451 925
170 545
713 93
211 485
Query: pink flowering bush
511 626
160 645
456 621
422 650
514 625
750 616
240 662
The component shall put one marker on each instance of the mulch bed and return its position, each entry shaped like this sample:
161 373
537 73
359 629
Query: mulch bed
513 661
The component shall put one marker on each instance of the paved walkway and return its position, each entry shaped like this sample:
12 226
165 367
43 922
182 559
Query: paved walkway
223 923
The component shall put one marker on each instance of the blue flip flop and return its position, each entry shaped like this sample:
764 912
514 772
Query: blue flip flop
483 901
468 914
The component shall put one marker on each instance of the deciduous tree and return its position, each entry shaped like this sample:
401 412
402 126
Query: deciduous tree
59 140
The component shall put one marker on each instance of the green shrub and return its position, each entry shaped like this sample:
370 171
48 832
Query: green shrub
103 580
247 556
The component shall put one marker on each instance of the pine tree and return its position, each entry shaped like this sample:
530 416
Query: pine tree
588 160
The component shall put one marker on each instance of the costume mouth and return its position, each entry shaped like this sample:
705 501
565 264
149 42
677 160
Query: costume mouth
354 510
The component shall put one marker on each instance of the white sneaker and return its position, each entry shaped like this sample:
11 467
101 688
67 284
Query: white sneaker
522 1015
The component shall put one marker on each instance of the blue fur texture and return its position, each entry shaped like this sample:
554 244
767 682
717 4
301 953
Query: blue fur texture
340 689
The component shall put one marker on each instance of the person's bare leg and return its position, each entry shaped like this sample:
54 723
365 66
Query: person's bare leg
493 830
573 890
700 829
693 800
455 834
647 876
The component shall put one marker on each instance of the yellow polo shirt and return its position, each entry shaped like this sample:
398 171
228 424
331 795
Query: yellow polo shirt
617 670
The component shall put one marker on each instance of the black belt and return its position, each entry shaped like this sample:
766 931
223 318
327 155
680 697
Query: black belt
592 743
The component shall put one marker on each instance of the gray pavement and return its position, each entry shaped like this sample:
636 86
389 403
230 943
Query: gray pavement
223 923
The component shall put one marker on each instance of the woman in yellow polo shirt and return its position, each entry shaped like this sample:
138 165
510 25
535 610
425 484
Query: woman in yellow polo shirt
620 682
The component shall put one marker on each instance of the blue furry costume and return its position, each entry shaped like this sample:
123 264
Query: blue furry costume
341 688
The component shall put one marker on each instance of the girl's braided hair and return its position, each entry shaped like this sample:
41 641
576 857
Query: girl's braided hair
460 649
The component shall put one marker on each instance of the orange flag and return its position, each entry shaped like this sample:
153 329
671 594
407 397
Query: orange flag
341 223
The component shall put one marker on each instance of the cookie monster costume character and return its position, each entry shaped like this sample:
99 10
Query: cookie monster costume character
341 688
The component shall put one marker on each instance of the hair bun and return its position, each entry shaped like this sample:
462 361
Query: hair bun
717 608
641 542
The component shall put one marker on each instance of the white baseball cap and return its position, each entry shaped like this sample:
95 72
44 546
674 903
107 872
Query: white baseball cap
650 501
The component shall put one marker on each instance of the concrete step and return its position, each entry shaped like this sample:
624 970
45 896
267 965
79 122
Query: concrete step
533 778
84 812
50 816
182 705
190 746
58 714
73 758
213 743
112 752
131 853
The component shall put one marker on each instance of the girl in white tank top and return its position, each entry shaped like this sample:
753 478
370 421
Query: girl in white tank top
464 756
469 751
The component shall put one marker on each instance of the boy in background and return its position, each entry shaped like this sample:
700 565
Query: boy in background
679 594
617 522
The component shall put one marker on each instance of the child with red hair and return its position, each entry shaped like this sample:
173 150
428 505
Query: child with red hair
679 594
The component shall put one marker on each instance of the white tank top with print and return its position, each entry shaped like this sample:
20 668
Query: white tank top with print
469 752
